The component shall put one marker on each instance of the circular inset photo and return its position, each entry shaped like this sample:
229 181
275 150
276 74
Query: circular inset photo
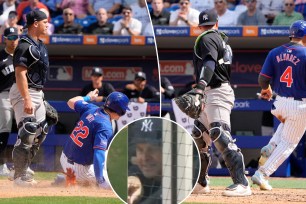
153 160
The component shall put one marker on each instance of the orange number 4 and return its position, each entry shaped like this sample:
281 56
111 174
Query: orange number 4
287 76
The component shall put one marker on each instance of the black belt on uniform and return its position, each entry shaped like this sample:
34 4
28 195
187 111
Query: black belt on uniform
214 86
70 161
299 99
36 89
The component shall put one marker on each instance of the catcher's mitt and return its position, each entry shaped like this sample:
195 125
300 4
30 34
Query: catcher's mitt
51 114
191 103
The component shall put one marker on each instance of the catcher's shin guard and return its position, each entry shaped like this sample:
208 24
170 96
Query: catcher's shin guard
22 148
205 164
230 152
39 140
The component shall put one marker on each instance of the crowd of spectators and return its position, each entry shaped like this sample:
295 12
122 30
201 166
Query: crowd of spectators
104 17
130 17
230 12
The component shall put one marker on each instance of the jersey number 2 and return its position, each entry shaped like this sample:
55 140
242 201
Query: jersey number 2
287 76
79 131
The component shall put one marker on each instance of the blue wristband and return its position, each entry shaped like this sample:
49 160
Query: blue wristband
86 98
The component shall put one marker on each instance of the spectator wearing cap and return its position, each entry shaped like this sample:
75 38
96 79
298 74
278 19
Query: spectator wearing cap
185 15
127 25
289 16
159 15
79 7
112 6
101 27
139 91
226 16
11 22
5 8
27 6
69 26
97 83
252 16
145 145
7 76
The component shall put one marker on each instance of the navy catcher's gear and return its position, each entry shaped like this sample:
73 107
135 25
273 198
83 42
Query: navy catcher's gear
198 129
297 29
117 102
191 103
51 114
22 149
230 152
27 130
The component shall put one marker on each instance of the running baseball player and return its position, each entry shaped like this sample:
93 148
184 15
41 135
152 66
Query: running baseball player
6 81
84 152
31 63
285 70
212 60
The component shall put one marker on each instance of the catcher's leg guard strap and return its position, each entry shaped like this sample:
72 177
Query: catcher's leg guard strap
27 130
40 139
198 129
205 160
205 164
230 153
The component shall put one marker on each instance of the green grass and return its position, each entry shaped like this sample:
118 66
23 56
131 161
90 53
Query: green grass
117 163
59 200
39 176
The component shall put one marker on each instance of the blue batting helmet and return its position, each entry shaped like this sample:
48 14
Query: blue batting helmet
117 102
297 29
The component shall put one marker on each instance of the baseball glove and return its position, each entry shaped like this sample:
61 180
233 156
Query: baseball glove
51 114
191 103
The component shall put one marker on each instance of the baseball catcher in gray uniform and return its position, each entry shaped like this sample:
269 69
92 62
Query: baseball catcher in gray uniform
210 103
31 62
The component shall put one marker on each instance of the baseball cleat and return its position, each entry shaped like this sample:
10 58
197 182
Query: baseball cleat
25 181
12 173
199 189
260 180
237 190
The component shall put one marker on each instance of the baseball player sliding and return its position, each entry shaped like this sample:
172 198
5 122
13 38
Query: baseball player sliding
285 70
84 152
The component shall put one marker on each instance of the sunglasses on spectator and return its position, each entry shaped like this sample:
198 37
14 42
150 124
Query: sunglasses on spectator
287 4
219 2
184 2
68 14
12 37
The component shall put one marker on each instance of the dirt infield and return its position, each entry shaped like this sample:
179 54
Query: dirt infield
44 188
272 197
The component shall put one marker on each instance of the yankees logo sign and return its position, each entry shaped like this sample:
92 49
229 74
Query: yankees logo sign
147 125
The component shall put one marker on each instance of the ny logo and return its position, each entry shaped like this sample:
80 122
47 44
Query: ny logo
205 17
147 125
12 30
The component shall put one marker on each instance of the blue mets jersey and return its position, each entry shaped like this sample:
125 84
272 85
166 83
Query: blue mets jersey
286 67
93 131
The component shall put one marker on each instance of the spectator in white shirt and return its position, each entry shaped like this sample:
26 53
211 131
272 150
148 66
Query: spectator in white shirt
202 5
185 15
226 16
127 25
140 12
